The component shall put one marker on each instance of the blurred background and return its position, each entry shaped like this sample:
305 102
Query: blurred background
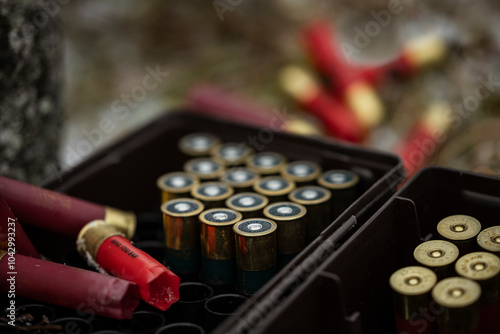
419 78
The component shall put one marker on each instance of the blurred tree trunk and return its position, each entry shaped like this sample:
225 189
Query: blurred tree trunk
30 88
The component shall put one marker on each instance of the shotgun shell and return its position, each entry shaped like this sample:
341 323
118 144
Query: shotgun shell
241 179
461 230
291 232
276 188
437 255
484 268
66 286
459 301
424 51
233 154
489 240
58 212
182 234
206 169
266 163
343 185
106 248
212 194
301 172
175 185
255 241
317 202
412 299
218 259
336 118
198 144
250 205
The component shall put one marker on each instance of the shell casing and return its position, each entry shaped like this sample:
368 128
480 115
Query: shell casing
412 297
275 188
266 163
344 187
291 232
218 263
232 154
255 246
176 185
301 172
92 235
123 221
212 194
249 204
437 255
484 268
182 234
206 169
198 144
240 178
458 299
317 202
461 230
489 240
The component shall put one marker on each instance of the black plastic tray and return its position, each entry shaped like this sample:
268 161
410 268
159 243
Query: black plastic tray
124 175
349 292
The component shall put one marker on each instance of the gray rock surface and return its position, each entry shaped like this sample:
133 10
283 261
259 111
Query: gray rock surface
30 88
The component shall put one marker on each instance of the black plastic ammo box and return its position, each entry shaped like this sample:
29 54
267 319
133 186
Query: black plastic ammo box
124 175
350 293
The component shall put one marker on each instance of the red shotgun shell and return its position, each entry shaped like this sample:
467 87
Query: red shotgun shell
348 81
54 283
12 234
334 115
105 247
58 212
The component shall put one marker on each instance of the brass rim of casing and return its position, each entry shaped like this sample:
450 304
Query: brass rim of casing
328 185
485 239
259 234
443 296
263 170
93 234
298 179
161 185
293 194
245 184
2 254
422 253
299 215
472 227
215 152
464 266
193 213
207 222
284 191
216 174
123 221
195 194
186 148
427 279
265 202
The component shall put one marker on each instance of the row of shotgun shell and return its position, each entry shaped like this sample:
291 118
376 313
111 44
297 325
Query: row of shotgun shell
455 285
239 216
